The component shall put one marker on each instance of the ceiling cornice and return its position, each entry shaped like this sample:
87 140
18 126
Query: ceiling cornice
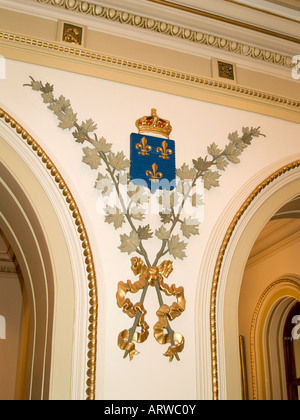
132 67
33 48
179 31
121 21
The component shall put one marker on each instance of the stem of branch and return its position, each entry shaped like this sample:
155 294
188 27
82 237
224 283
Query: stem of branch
137 318
169 329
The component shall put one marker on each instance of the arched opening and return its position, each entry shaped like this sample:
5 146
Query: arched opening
291 343
260 206
267 292
14 322
42 223
268 368
21 227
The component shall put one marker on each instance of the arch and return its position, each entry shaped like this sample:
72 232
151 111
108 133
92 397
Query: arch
266 335
41 220
257 209
291 343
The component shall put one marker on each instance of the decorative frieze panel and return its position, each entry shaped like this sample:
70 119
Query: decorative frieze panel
172 30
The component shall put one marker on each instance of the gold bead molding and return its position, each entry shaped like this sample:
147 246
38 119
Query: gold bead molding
87 253
121 63
218 267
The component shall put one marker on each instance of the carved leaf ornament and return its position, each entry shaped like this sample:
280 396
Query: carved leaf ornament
130 211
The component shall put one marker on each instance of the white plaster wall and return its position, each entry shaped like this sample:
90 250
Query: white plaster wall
115 107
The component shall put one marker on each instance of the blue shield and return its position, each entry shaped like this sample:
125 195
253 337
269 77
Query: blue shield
152 162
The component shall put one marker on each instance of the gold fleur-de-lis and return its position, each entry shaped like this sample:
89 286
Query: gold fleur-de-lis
154 175
165 152
145 149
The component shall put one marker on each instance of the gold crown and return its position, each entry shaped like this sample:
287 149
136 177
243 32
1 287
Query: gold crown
154 124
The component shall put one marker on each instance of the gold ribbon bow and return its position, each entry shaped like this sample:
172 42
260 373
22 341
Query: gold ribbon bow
131 310
171 312
152 276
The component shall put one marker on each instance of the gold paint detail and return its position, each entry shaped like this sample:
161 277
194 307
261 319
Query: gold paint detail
72 34
162 73
226 70
281 282
175 31
218 267
154 124
144 148
154 175
165 152
153 276
85 244
170 312
132 310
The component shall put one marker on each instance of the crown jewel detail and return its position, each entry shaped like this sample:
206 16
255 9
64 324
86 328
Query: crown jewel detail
154 124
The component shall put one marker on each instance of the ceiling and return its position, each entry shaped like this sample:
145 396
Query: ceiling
282 230
224 7
290 210
275 236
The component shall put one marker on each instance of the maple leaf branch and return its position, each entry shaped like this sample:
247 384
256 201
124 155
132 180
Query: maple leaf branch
61 111
64 112
230 152
140 248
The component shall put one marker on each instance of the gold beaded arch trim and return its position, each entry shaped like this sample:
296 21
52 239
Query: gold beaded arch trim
218 267
85 244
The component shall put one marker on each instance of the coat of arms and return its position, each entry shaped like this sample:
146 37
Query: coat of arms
153 158
149 173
